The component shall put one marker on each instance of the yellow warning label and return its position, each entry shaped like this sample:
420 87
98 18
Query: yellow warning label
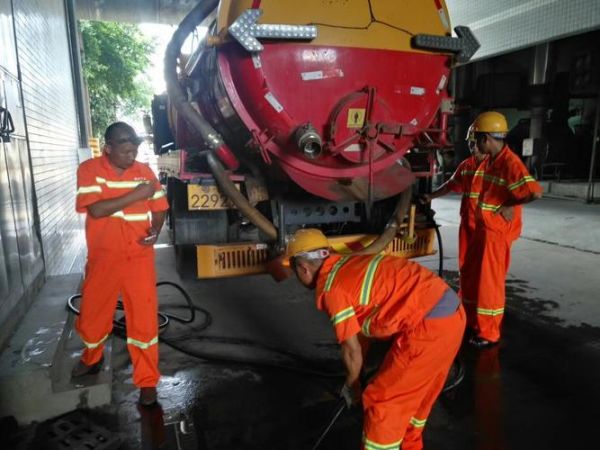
356 117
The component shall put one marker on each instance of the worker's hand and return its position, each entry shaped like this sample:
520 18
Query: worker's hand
351 394
150 239
425 199
507 212
144 191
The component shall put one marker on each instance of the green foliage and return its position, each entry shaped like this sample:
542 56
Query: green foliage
116 57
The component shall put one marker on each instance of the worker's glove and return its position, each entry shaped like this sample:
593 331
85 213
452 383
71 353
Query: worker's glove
351 395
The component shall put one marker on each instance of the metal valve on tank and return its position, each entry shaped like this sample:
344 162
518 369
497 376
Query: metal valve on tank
309 141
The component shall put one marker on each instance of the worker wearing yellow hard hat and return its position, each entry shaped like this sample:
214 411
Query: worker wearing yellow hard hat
501 184
491 123
308 242
460 182
384 297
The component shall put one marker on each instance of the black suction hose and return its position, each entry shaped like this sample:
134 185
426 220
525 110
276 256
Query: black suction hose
196 121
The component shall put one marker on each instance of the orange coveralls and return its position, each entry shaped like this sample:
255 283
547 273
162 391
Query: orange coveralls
483 277
387 297
461 182
118 264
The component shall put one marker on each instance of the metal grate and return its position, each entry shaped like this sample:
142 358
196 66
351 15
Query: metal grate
423 245
227 260
75 431
230 260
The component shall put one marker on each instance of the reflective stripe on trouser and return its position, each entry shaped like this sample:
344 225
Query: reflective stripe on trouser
482 283
408 383
135 280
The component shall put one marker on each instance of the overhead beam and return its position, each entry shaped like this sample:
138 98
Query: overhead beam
169 12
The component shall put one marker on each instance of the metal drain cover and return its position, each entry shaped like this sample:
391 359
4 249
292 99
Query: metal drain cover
75 431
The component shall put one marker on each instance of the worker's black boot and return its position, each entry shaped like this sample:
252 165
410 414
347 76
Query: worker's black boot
481 343
147 396
81 369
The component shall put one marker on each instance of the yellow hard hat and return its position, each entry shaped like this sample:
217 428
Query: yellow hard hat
305 241
490 122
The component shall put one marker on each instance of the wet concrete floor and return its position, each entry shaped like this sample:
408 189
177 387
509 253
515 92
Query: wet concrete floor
538 390
262 370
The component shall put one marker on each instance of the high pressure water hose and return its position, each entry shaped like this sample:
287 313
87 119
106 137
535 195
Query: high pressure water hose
304 364
440 249
166 318
340 407
195 120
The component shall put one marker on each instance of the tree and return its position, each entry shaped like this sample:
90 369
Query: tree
116 56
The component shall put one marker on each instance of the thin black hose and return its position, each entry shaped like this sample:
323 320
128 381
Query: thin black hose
440 249
120 328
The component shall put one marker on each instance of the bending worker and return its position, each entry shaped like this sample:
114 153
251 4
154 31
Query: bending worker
385 297
501 184
125 207
460 182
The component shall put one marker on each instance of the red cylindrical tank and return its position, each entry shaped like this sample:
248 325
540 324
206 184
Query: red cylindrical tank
336 113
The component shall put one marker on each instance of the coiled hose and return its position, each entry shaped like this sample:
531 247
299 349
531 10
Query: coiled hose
303 367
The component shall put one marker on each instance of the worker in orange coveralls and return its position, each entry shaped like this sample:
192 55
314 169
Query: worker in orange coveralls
126 207
502 184
461 182
385 297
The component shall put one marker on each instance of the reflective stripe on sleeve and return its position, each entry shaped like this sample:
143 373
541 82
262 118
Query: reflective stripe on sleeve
124 184
158 194
344 314
521 182
131 217
366 326
495 180
418 423
120 184
95 344
143 345
367 284
334 272
489 207
372 445
88 189
490 312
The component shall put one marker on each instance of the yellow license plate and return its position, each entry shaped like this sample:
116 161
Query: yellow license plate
207 197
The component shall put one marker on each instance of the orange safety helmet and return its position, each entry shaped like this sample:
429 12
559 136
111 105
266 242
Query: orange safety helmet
307 242
490 122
